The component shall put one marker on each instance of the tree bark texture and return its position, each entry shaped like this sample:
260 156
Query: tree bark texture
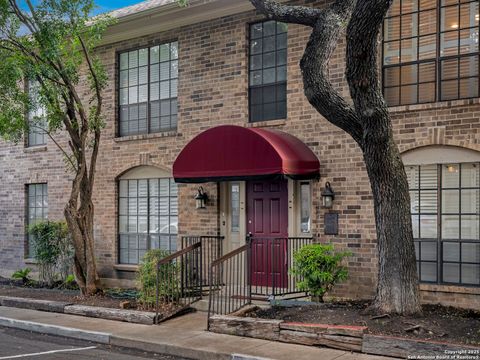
79 213
368 122
397 289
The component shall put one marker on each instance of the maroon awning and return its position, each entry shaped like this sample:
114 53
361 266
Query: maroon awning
236 153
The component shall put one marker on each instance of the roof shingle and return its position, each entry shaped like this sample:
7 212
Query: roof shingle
138 8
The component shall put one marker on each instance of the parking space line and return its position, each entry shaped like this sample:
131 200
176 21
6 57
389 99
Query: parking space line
47 352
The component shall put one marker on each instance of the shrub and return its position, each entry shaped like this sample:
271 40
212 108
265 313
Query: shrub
147 278
70 282
24 275
52 250
319 268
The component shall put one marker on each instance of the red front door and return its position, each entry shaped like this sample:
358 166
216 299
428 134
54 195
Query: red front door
267 222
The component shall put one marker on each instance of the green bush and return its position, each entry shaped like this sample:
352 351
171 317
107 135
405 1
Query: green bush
169 287
70 282
319 268
53 251
24 275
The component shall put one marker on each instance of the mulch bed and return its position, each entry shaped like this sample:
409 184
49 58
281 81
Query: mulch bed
436 323
14 288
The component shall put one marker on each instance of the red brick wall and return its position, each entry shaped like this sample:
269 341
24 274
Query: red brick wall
213 84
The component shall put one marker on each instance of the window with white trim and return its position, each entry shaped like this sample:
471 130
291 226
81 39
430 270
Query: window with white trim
148 217
268 71
235 206
148 80
37 122
37 209
305 207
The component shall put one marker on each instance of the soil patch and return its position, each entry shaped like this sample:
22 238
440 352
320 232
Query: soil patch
437 322
73 296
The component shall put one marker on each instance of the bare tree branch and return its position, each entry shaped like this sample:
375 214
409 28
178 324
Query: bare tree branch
287 13
49 134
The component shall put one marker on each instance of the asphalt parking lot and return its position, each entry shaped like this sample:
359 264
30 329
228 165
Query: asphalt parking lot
17 344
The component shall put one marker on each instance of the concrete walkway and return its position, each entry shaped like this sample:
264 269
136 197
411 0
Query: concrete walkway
184 336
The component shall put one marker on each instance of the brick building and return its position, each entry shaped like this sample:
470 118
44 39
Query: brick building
177 72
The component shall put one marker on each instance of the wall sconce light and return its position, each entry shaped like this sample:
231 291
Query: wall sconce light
327 196
200 198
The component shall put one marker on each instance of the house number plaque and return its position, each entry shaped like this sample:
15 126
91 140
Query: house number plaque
331 224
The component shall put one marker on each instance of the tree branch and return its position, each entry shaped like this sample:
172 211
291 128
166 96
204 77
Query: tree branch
287 13
21 16
93 73
49 134
362 70
314 64
98 111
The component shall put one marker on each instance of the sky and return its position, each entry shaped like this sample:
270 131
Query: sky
102 5
109 5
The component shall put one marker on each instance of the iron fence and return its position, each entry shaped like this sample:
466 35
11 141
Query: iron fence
230 289
178 281
182 276
258 270
271 261
212 249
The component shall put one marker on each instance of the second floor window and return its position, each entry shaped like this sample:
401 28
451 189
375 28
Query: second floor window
430 51
268 71
148 80
36 118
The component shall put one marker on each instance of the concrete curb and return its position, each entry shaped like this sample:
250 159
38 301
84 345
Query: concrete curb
169 349
130 316
94 336
34 304
109 339
247 357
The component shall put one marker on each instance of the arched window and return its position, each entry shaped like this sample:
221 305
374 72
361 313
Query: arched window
444 184
148 213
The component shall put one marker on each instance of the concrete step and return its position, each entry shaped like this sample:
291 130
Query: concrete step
201 305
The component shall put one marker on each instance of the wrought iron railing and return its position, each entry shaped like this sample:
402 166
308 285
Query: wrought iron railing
212 249
258 270
182 276
230 289
178 281
271 260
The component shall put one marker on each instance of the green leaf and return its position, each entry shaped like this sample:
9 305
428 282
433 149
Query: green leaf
319 268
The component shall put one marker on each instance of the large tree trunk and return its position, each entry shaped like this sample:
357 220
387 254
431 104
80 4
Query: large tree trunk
397 288
80 224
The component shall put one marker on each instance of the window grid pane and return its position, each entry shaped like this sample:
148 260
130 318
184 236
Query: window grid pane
235 207
37 209
37 121
411 39
268 71
147 76
148 217
453 255
305 202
